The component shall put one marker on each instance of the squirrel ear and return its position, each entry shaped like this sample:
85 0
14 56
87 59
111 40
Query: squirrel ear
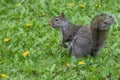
62 15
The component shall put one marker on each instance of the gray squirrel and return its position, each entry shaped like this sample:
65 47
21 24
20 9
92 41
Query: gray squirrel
84 40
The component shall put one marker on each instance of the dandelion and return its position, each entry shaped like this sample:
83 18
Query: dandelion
6 40
68 64
83 5
4 76
81 63
97 5
26 53
42 14
28 25
70 4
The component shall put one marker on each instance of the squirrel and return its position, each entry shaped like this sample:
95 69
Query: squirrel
84 40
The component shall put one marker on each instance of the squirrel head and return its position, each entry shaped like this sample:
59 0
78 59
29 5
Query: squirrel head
59 21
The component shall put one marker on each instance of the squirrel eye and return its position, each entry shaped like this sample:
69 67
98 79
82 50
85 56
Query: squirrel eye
56 19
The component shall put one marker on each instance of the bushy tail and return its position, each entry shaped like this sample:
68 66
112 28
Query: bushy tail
100 26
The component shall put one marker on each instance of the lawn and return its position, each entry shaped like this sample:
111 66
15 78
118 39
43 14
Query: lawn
30 49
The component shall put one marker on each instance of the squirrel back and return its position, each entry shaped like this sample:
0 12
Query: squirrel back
100 26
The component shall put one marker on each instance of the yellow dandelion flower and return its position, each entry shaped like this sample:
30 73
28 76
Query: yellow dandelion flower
83 5
42 14
6 39
68 64
28 25
70 4
26 53
4 75
81 62
97 5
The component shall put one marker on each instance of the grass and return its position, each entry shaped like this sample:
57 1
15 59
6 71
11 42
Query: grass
24 27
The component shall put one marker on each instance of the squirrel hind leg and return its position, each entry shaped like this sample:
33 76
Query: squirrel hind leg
77 51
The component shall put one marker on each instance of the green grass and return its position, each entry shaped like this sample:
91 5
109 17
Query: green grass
47 59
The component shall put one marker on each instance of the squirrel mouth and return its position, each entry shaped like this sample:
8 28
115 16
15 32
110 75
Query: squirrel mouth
51 23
